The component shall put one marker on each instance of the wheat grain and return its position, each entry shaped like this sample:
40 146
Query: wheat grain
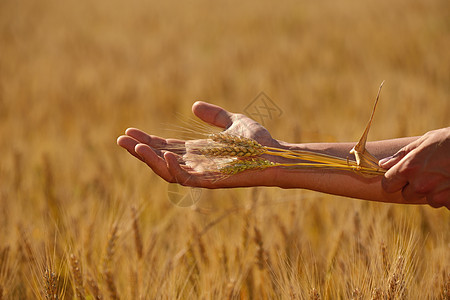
246 229
224 144
87 243
201 246
261 255
110 247
224 260
292 293
4 260
49 187
111 285
356 294
27 249
226 150
396 283
192 267
134 283
77 274
385 258
93 287
6 272
229 289
233 140
250 283
107 262
445 285
377 294
314 294
282 228
241 165
50 284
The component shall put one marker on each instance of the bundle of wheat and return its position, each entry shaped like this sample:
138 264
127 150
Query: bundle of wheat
228 154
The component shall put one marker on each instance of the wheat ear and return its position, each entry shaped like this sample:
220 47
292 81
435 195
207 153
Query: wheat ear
107 262
77 273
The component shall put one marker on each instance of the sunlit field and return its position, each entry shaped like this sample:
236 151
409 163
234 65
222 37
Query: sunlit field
82 219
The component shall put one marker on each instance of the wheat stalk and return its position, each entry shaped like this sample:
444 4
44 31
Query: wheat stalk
137 233
107 261
261 255
5 272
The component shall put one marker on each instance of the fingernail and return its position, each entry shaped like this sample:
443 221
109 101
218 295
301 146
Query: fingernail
385 160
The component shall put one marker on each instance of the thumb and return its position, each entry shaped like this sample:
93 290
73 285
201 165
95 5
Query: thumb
388 162
212 114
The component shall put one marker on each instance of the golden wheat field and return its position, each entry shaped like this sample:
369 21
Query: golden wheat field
81 219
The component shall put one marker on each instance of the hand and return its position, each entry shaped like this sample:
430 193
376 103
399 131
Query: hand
149 149
421 169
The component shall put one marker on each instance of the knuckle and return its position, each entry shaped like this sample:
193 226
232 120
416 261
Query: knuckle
433 183
393 181
426 184
385 184
401 153
440 199
408 167
410 194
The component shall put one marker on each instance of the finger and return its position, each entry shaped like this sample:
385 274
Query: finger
156 142
398 175
441 198
156 163
388 162
393 180
212 114
410 194
151 140
129 144
180 175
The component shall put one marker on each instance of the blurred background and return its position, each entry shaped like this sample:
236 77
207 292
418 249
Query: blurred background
75 74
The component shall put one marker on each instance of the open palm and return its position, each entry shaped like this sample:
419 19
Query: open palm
150 150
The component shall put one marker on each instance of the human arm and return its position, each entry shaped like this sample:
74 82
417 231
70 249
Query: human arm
164 163
344 183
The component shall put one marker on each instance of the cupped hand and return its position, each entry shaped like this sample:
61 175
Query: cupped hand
421 169
162 155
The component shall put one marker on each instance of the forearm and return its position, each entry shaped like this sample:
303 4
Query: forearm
379 149
343 183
